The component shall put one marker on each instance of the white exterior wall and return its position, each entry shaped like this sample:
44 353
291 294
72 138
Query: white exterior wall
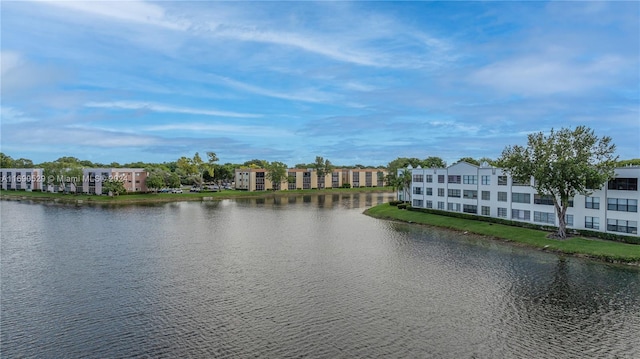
27 179
579 212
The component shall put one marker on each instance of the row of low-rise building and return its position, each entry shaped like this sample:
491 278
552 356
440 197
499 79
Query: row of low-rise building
91 181
134 179
257 179
490 191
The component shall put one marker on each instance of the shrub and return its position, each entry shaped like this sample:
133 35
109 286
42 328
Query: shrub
584 233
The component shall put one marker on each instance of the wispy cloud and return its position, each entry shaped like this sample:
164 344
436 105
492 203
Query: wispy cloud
140 12
221 129
304 94
148 106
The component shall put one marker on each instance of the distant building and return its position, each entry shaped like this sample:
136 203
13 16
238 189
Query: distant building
255 179
133 179
27 179
489 191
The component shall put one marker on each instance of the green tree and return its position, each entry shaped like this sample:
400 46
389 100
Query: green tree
156 179
113 187
322 167
631 162
433 162
224 173
276 173
255 163
488 160
403 183
6 161
564 163
23 163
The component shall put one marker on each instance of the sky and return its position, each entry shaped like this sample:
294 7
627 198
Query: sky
353 82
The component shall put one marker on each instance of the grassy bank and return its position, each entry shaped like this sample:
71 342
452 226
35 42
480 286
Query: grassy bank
171 197
578 246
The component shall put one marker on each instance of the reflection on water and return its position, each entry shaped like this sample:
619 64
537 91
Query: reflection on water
299 276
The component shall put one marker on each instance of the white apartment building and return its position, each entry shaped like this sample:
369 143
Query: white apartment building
489 191
27 179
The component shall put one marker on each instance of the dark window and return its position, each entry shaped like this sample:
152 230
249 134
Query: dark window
623 184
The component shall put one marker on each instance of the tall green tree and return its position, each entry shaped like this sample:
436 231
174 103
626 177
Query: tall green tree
322 167
156 179
564 163
276 173
403 184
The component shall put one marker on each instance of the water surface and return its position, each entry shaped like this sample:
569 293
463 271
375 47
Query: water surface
306 276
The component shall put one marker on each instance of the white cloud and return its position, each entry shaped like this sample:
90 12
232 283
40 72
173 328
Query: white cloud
132 105
222 129
540 75
129 11
306 95
10 115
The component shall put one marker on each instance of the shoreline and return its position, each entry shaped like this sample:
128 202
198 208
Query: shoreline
579 247
144 198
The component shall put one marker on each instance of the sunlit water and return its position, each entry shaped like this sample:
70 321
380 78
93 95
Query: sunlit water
296 277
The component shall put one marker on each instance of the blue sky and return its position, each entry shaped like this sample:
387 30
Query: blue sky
354 82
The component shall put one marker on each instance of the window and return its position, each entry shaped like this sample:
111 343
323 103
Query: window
520 197
417 190
440 192
502 212
453 192
469 179
429 178
418 178
592 222
544 217
622 204
486 195
417 203
429 204
502 196
623 184
485 210
470 194
440 178
455 207
502 180
568 219
520 214
470 208
543 199
518 183
429 191
618 225
485 180
453 179
592 202
441 205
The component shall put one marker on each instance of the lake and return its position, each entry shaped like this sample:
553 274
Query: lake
304 277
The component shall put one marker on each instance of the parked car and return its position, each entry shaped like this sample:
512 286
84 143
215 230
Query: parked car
176 190
215 187
194 189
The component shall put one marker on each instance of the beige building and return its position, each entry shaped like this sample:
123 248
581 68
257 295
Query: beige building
256 179
134 179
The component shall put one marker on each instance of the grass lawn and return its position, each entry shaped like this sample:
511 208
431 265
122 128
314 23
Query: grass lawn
594 248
